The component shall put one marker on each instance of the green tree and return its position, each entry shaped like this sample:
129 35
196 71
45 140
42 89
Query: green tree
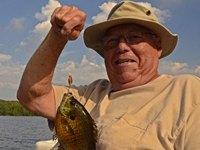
13 108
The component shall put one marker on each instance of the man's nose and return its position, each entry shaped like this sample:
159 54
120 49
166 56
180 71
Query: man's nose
122 45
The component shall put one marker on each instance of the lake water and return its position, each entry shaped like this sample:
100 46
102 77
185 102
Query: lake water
22 133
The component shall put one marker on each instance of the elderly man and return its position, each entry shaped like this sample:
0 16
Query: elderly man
137 108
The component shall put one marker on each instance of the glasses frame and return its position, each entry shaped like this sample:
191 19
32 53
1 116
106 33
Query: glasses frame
116 38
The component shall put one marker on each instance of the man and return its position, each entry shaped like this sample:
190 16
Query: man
137 108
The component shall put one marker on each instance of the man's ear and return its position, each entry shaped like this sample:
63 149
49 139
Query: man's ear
158 43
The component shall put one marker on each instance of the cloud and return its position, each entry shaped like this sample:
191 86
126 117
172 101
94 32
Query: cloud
177 68
65 53
47 10
84 61
105 8
17 23
10 75
45 16
4 57
83 73
69 66
197 70
160 14
41 29
22 43
18 50
91 56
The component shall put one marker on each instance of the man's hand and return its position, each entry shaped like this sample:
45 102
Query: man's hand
68 22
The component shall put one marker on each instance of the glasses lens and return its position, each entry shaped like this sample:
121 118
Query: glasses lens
131 38
134 37
110 41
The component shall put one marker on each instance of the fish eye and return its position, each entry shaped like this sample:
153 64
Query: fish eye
72 117
72 103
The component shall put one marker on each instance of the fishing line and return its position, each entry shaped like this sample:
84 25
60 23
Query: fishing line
19 43
69 77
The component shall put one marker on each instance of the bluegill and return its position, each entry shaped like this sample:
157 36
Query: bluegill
75 128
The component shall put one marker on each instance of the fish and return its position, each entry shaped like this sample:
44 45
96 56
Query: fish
74 127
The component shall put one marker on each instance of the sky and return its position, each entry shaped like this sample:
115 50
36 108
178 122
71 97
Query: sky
24 24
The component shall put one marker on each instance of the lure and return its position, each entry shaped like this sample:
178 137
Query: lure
70 79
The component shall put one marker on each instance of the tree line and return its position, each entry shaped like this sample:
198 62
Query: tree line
13 108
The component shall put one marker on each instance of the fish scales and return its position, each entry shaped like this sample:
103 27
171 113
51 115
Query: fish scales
75 128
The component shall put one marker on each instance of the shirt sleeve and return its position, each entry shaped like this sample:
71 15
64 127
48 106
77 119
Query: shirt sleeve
192 135
192 124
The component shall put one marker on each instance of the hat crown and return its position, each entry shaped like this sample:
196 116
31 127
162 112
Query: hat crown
129 9
129 12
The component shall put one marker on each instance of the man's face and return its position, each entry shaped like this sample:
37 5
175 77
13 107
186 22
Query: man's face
130 65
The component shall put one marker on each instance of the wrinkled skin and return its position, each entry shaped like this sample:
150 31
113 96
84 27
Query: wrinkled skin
143 56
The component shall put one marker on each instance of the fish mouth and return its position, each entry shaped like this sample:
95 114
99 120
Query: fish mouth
124 61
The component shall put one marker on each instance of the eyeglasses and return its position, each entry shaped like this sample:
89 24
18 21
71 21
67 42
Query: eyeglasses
130 38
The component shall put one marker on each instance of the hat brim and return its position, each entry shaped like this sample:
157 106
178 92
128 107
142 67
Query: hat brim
93 34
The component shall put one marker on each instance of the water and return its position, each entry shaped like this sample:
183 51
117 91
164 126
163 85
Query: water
22 133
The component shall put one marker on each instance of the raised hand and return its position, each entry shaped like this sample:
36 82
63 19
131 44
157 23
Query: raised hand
68 21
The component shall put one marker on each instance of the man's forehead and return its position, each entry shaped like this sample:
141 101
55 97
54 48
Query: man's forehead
127 26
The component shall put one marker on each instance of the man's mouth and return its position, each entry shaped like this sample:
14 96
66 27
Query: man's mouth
124 61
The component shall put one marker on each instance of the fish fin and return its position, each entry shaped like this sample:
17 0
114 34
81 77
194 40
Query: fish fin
60 147
56 146
55 135
95 130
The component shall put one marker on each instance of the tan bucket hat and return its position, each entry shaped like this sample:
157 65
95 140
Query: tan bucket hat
129 12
